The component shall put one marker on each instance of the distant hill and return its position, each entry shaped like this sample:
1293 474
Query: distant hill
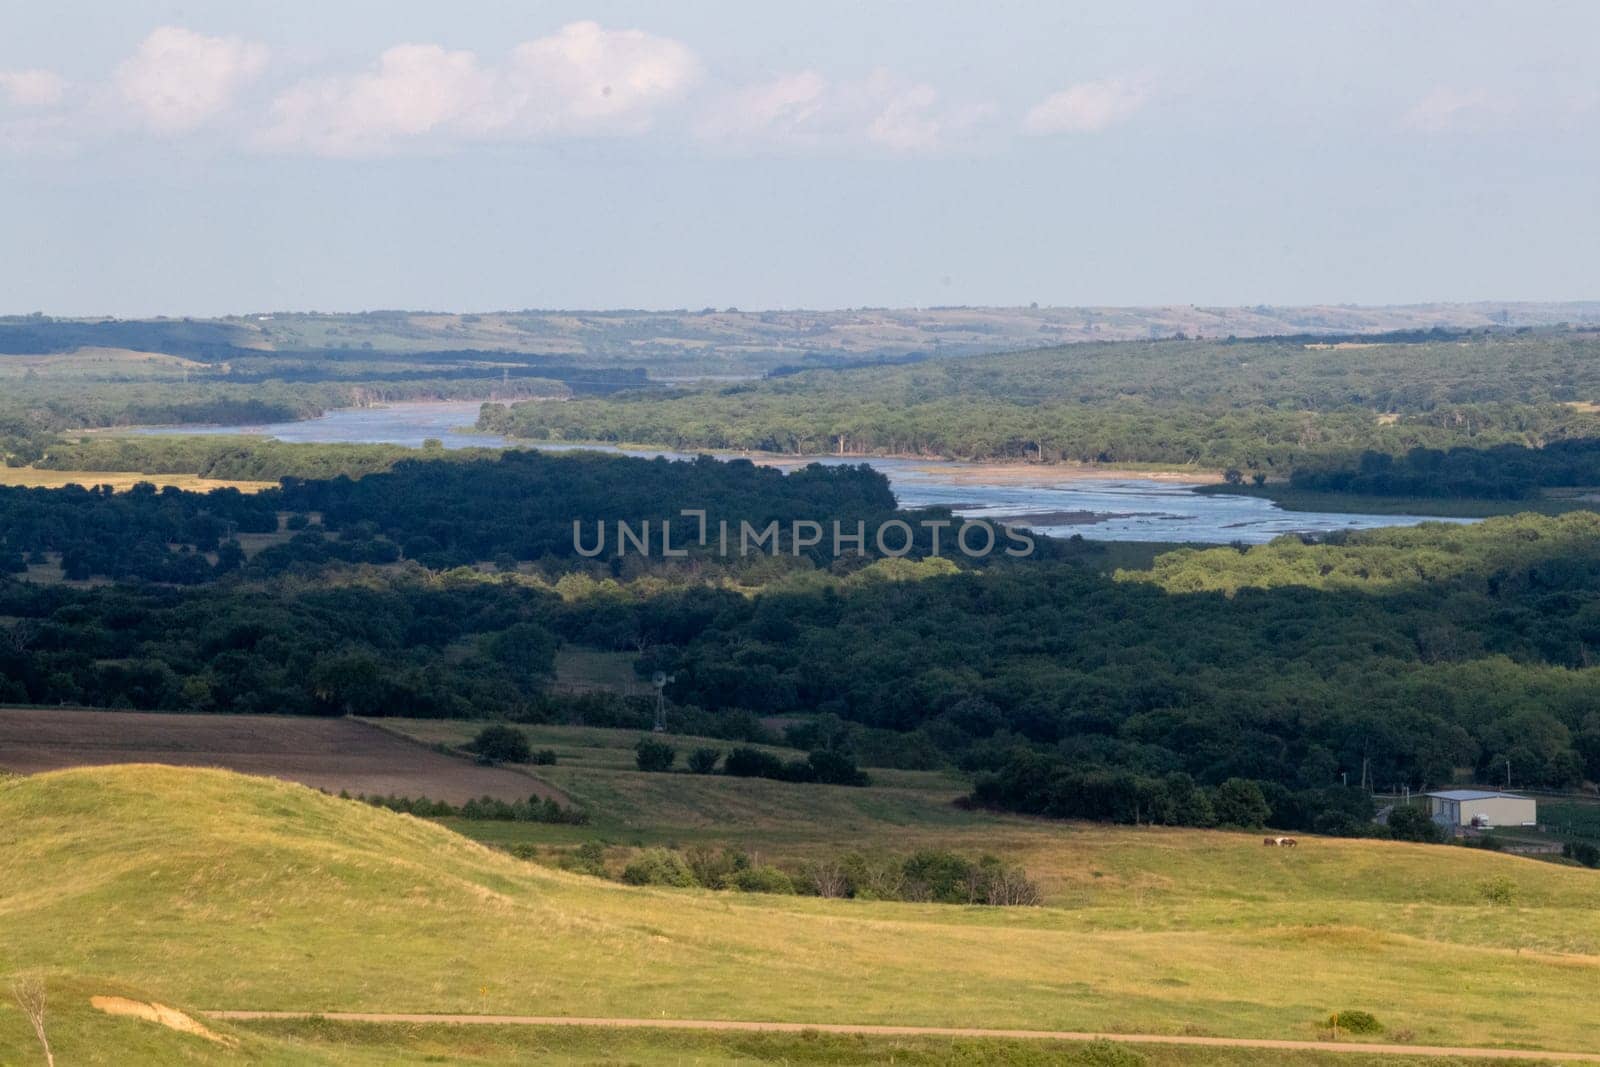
729 341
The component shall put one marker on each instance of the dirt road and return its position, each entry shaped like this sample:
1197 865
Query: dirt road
919 1031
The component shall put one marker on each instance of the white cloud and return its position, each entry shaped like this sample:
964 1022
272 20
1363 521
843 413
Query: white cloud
1454 109
178 80
1087 107
586 79
582 80
414 90
32 88
804 112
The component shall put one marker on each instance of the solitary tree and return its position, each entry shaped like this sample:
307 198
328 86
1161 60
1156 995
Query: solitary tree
502 744
29 995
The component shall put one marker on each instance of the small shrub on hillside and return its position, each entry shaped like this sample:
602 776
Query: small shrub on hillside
825 878
501 744
544 757
1104 1053
704 760
937 875
588 858
835 768
713 868
1355 1022
658 866
760 879
745 762
1499 891
653 755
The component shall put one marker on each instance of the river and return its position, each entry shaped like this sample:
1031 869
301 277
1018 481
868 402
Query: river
1055 501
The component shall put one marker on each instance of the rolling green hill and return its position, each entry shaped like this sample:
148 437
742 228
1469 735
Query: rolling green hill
207 890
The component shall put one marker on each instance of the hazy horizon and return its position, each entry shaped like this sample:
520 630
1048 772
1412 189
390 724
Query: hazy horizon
229 159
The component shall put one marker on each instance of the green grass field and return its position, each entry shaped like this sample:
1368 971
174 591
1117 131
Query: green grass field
205 889
595 767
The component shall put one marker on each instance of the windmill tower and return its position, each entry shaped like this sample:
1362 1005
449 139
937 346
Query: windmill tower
660 680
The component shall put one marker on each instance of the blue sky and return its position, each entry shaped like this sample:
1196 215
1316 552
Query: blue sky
210 157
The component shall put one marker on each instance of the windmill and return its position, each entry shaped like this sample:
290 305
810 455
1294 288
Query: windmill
660 680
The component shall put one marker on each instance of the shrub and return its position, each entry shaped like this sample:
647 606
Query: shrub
1355 1022
835 768
501 744
659 866
745 762
588 858
1499 891
545 757
1007 887
1103 1053
826 878
760 879
653 755
937 875
704 760
711 868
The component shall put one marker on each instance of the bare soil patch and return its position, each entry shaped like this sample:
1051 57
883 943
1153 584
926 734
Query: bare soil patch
331 754
160 1014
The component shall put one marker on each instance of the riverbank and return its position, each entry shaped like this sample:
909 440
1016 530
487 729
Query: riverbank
1302 500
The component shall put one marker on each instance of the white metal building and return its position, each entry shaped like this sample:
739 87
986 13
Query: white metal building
1482 809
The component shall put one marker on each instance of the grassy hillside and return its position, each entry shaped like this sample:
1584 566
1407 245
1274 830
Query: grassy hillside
212 890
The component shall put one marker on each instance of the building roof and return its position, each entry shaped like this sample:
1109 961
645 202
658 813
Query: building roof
1475 794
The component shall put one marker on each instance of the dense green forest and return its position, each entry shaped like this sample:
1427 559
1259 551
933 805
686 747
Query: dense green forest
1268 406
1414 656
236 457
456 509
1508 472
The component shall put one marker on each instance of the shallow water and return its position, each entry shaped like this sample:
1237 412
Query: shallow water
1121 510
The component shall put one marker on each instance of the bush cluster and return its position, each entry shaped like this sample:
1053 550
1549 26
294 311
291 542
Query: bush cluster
1355 1022
928 876
824 766
534 809
502 744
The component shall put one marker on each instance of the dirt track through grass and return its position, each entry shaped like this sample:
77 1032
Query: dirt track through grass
918 1031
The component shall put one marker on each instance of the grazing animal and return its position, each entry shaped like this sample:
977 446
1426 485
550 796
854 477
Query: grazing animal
1287 842
1270 842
